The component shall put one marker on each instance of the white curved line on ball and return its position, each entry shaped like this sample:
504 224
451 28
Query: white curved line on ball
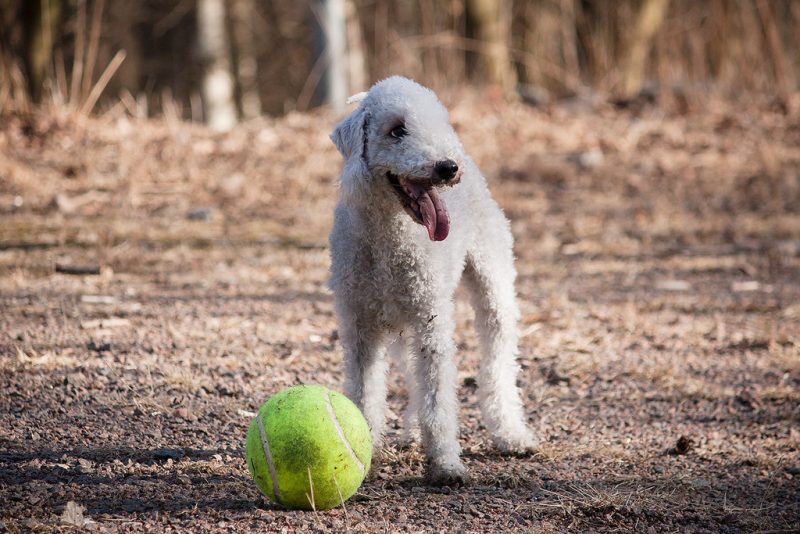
272 473
340 430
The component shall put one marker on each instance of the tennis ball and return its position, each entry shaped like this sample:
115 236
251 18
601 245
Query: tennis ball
309 448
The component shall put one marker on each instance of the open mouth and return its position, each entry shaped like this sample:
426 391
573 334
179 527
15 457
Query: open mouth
421 200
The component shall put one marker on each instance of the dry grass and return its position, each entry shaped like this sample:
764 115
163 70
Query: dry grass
658 287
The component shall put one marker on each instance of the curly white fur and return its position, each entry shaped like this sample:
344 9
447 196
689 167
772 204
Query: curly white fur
394 283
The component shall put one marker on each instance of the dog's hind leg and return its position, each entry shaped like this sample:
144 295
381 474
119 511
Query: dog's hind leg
489 277
365 374
399 351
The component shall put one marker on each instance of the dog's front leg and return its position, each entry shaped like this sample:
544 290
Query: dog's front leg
365 376
489 277
438 415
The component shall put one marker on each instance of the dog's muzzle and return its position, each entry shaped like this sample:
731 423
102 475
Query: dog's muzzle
422 201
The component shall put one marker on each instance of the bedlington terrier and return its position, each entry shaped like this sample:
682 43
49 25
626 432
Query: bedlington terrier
414 215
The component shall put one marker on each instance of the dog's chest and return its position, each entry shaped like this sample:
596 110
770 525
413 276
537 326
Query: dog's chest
393 272
409 279
402 269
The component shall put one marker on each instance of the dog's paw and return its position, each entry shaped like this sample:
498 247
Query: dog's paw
452 474
522 442
409 438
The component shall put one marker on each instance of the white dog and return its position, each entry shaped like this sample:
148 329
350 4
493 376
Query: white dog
414 216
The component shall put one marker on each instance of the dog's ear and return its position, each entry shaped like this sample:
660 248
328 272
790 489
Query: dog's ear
349 136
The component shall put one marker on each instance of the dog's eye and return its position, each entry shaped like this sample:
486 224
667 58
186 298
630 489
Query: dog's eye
399 131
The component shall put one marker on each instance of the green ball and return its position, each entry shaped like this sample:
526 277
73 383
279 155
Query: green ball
309 448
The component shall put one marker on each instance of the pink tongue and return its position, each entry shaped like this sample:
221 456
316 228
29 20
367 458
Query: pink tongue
434 212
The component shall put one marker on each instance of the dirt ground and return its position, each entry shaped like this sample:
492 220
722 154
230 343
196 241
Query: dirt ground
659 279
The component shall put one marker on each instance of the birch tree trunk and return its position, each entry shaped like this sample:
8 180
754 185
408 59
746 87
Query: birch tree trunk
217 88
332 39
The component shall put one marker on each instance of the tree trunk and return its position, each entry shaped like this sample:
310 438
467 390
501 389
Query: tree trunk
332 56
244 40
217 87
543 46
780 64
356 62
40 19
648 21
492 22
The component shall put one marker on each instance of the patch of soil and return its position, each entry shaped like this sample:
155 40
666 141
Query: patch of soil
659 279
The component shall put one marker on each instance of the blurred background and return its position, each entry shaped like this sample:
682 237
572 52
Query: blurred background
223 61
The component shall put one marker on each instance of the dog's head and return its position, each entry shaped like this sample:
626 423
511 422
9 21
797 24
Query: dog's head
400 141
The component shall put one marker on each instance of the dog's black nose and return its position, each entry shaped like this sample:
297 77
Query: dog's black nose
446 169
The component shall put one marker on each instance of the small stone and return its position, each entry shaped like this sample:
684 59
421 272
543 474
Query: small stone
587 159
200 214
86 465
166 454
673 285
